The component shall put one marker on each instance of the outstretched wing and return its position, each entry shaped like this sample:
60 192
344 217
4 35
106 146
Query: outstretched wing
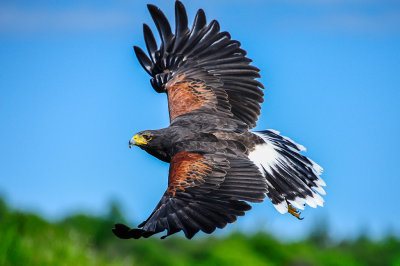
200 69
204 192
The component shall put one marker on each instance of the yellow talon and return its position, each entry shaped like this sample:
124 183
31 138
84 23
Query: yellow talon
293 211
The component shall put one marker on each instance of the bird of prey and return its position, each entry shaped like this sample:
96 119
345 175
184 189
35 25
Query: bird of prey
217 166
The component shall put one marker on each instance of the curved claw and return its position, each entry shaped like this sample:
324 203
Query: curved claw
293 211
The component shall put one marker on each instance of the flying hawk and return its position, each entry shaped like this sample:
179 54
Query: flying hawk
217 165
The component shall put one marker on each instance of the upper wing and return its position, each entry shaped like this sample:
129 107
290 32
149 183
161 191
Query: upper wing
200 69
204 192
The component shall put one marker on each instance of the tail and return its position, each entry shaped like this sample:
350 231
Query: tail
291 177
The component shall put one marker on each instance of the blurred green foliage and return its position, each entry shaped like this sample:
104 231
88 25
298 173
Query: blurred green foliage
26 239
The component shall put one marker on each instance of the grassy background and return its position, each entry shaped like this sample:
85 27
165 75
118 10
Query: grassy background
27 239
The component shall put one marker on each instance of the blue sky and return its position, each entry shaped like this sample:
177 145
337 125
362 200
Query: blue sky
73 94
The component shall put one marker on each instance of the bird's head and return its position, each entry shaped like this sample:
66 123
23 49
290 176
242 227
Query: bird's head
142 138
154 142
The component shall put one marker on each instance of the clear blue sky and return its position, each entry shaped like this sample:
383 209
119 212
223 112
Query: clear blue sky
73 94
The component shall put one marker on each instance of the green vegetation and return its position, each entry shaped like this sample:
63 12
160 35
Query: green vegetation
26 239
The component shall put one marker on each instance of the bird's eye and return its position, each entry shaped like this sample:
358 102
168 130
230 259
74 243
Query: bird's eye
147 137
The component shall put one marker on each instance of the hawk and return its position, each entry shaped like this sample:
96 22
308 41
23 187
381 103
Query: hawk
217 166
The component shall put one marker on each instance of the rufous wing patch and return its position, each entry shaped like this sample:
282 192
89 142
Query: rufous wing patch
187 170
186 95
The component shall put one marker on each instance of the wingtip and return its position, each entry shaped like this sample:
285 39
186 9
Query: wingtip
181 19
201 11
143 59
151 7
200 17
180 7
215 23
162 24
155 11
146 27
121 231
137 49
178 4
125 232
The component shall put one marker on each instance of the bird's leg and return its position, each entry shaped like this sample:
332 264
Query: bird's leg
293 211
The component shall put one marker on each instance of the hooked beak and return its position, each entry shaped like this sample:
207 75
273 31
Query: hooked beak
137 140
131 143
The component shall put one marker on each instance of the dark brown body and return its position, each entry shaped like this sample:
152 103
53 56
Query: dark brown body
201 133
